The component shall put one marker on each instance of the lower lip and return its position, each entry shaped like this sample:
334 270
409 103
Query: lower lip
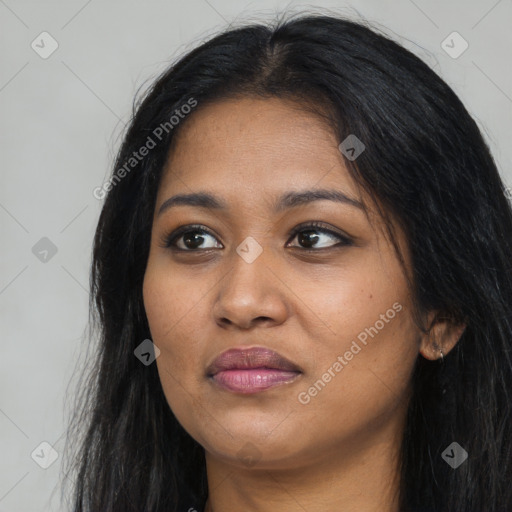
253 380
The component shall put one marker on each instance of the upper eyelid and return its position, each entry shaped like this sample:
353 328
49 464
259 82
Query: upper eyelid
320 227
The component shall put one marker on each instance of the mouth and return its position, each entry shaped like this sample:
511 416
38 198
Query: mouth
251 370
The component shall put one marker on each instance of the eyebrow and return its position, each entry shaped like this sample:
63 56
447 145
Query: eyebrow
287 200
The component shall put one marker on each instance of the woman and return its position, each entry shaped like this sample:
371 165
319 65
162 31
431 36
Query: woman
301 279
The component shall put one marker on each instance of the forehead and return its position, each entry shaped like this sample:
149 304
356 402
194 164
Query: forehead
257 146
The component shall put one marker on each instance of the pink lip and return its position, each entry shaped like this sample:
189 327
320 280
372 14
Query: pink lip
254 380
251 370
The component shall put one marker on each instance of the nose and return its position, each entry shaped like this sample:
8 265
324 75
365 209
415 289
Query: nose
251 294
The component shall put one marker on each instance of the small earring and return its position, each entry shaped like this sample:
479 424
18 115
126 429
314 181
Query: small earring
437 347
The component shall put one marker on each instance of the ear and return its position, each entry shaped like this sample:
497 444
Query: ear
442 335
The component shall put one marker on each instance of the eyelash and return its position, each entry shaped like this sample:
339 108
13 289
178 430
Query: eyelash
169 240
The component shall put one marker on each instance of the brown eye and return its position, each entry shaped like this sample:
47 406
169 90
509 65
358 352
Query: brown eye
313 236
191 238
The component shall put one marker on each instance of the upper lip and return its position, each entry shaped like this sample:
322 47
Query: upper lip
247 358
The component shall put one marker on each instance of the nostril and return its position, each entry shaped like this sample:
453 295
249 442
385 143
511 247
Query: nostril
262 319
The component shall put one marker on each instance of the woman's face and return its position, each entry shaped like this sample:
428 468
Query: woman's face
331 299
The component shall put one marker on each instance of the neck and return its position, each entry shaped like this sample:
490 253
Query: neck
349 480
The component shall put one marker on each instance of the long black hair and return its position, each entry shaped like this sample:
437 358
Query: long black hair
425 161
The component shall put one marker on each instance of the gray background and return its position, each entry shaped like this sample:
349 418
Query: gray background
61 122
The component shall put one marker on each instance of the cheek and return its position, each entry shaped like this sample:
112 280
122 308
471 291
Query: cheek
365 360
172 309
158 304
164 309
351 300
356 389
174 303
171 302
